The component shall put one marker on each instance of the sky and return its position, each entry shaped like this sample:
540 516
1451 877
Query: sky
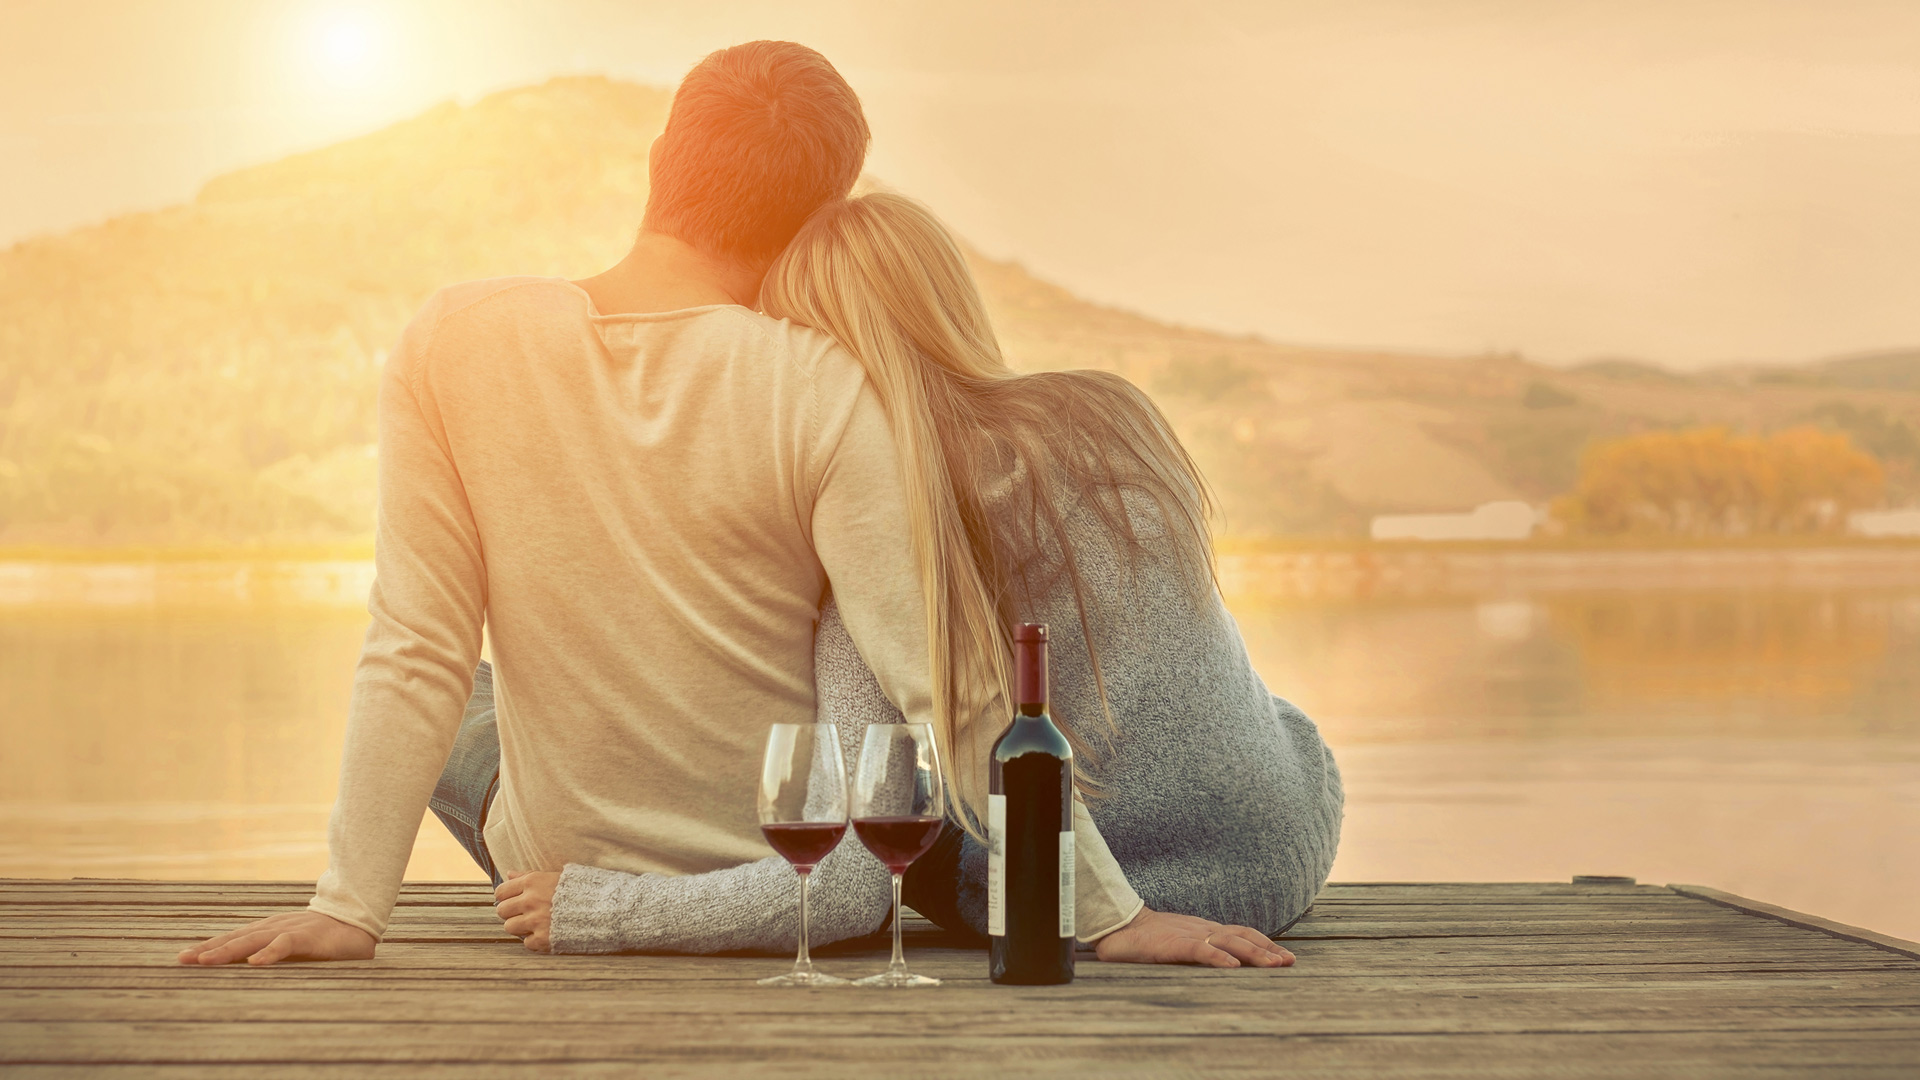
1688 182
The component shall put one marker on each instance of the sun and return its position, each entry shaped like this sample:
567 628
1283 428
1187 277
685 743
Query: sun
346 47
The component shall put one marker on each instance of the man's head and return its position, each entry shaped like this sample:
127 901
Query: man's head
761 135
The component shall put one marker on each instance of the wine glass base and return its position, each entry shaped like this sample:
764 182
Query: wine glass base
897 978
803 978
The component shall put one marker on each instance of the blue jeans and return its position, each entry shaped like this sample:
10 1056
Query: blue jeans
465 791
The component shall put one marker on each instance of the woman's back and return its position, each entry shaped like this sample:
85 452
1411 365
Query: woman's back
1040 497
1217 798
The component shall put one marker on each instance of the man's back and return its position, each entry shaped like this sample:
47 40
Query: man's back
646 509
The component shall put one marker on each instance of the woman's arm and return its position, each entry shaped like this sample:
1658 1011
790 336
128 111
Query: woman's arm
753 906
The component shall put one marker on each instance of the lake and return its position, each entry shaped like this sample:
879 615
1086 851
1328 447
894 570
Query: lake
1758 732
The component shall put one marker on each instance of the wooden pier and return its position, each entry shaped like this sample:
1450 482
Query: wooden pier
1414 980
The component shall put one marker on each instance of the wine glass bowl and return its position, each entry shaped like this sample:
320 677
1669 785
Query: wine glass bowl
803 815
899 805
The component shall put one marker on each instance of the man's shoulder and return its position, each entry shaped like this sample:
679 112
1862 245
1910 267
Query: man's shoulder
454 317
813 351
523 294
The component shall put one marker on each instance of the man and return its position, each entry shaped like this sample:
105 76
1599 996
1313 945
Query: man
642 489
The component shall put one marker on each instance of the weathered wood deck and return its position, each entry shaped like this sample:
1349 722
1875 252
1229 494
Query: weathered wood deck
1392 981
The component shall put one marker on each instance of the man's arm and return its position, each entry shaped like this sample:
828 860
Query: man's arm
412 682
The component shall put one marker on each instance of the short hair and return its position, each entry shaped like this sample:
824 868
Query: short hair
759 137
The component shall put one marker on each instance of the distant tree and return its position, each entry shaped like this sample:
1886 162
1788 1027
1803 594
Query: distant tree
1878 432
1208 379
1545 395
1711 482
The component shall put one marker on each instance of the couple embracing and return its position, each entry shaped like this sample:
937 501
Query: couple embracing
772 467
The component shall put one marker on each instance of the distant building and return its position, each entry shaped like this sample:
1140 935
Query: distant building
1488 521
1884 522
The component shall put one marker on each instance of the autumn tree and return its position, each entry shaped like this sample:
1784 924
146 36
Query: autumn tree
1712 482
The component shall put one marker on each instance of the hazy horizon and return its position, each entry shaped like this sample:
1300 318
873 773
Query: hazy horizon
1686 184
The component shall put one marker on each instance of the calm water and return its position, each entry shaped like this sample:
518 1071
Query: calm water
1766 742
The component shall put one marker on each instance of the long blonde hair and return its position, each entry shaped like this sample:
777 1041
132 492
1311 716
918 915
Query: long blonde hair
993 461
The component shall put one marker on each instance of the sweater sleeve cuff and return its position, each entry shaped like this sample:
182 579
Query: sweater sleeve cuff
357 919
1103 900
1139 905
594 909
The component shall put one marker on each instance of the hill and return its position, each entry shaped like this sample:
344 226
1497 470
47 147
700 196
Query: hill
206 373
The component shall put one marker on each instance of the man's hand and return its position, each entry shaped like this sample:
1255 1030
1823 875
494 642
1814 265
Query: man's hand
525 903
1158 937
291 935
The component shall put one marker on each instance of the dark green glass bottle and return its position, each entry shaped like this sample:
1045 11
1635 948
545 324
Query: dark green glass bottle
1030 828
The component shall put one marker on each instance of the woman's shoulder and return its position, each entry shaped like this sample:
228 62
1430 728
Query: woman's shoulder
1122 541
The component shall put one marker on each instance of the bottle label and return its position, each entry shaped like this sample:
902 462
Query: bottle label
1066 883
996 865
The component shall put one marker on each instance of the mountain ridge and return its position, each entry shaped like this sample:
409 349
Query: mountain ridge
206 372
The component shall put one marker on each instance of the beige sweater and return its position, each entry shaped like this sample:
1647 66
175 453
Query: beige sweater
645 512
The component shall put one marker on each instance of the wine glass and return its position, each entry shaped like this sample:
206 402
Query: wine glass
803 815
899 803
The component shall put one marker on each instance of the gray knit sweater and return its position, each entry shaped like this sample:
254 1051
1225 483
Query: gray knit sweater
1217 798
754 906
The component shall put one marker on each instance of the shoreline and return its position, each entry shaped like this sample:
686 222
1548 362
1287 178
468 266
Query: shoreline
201 583
1437 571
1248 573
1228 544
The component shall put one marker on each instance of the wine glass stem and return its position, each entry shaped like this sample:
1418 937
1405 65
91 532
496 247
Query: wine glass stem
804 963
899 965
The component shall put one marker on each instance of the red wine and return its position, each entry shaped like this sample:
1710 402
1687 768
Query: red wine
804 843
1030 831
897 841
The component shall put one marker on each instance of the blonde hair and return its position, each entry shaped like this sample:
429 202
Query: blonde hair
881 275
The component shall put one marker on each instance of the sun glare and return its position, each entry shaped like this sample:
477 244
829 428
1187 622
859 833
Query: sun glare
346 47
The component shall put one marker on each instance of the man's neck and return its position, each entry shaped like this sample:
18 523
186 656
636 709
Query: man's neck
662 273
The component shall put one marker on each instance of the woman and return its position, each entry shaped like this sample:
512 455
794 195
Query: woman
1065 498
1059 497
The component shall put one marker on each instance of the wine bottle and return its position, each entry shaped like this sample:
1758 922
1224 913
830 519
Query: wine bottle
1030 832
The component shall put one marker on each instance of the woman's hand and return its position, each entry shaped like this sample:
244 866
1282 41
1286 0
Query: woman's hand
525 903
1159 937
290 935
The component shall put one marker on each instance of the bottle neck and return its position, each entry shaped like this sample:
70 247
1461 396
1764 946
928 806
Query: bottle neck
1030 677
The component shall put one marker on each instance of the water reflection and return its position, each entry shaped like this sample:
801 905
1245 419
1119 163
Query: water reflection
1812 663
1800 664
1762 740
177 742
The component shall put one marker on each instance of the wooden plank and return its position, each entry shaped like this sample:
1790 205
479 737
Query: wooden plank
899 1044
1892 981
1329 971
1597 1057
1394 980
324 1036
974 1006
1490 889
292 900
1405 968
403 929
159 946
132 944
1801 919
298 891
81 888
